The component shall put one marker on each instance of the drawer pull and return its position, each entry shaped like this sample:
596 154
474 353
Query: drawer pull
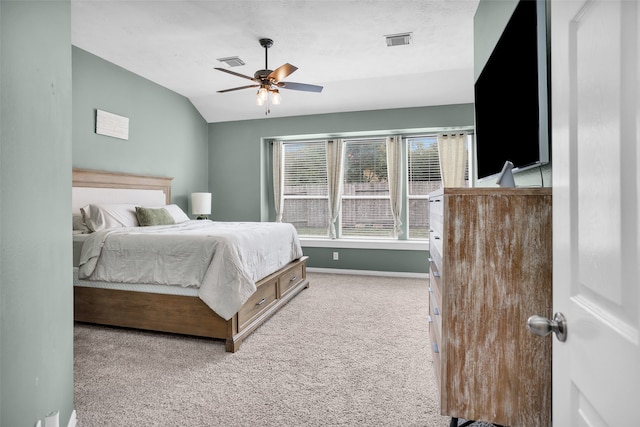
435 348
436 311
262 301
436 237
293 278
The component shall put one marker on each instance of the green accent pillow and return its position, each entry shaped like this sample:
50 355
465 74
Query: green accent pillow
153 216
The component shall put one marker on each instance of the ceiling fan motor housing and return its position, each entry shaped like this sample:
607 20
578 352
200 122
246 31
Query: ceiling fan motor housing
262 74
266 43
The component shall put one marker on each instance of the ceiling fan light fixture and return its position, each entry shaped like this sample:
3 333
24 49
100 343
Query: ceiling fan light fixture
276 99
232 61
262 96
398 39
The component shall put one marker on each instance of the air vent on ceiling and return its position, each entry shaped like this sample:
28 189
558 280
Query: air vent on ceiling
398 39
232 61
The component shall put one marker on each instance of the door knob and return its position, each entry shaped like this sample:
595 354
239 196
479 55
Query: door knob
542 326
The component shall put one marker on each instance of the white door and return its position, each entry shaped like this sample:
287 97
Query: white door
596 181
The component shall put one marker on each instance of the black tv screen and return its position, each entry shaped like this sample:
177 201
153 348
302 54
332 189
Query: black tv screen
511 96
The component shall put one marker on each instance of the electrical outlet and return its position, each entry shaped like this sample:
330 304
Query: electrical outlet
336 257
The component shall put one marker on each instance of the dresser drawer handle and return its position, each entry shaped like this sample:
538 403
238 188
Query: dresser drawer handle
436 237
262 301
293 278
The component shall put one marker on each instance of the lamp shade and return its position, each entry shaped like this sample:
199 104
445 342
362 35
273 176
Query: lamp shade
201 203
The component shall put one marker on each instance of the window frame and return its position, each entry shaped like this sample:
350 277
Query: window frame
409 197
286 197
403 241
340 232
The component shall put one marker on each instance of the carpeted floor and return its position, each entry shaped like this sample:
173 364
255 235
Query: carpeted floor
348 351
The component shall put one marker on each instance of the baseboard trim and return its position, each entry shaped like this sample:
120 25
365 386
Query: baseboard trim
72 419
368 272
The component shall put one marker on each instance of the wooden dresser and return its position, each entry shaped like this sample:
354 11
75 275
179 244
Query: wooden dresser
490 269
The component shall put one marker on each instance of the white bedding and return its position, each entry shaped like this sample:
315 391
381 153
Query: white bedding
223 260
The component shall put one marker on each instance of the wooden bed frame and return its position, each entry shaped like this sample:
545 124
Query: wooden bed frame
174 313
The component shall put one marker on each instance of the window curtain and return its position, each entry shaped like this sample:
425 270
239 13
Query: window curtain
335 172
278 179
394 175
452 151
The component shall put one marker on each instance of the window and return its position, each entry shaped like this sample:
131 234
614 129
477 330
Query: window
423 173
306 192
366 204
369 207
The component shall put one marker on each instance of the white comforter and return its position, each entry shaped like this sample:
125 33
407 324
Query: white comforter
222 259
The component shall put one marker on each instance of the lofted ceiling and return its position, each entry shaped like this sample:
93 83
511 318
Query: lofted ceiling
337 44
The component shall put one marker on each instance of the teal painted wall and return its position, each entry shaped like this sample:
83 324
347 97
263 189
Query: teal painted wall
403 261
488 24
167 135
238 160
239 173
36 298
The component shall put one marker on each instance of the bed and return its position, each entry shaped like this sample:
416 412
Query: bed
117 299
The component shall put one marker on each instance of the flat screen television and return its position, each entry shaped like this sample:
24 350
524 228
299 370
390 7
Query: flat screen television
511 96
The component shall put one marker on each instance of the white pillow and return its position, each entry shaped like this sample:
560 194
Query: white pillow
175 211
79 225
101 217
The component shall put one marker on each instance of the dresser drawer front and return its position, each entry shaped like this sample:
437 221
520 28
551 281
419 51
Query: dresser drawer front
436 244
434 314
435 256
260 301
290 279
435 222
436 203
435 352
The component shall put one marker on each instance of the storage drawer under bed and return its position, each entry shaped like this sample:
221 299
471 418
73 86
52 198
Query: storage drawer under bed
257 303
290 278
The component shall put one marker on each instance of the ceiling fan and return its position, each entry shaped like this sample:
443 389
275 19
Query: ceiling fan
269 81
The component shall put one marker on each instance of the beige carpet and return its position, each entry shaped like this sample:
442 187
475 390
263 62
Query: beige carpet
348 351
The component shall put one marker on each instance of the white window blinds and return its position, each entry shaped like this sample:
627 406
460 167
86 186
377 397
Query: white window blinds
423 173
366 204
306 193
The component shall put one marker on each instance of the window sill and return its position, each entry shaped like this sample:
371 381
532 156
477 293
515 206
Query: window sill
399 245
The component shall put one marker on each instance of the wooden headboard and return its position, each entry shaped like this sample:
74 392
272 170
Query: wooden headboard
95 179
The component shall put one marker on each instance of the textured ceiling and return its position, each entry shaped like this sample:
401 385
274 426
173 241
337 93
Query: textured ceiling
336 44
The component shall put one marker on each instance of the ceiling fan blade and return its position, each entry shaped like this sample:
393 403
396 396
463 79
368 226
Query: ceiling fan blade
236 74
281 72
300 86
237 88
